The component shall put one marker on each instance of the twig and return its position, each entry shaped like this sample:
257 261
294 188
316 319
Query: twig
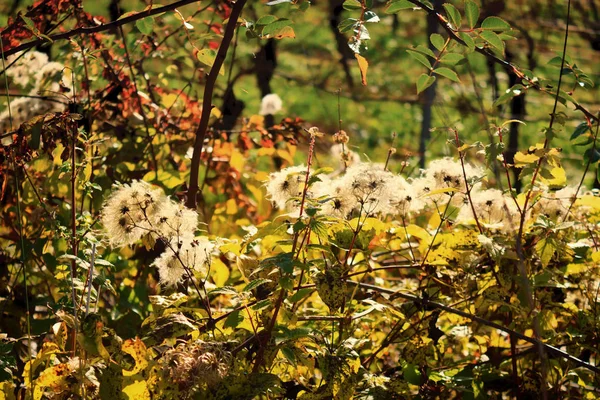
209 87
99 28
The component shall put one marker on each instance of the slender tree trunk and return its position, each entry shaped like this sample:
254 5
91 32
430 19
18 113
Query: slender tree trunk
335 17
428 96
266 62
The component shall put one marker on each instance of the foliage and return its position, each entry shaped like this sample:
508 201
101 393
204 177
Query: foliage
300 269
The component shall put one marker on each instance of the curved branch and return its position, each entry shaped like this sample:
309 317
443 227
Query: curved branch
424 302
209 87
100 28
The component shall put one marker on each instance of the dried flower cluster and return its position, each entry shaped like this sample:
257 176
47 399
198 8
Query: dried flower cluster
33 71
140 210
195 364
368 189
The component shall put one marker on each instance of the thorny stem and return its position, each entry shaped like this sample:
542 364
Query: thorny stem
461 156
425 302
587 165
73 269
519 241
268 331
209 87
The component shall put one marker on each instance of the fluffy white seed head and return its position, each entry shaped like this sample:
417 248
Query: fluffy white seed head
188 252
270 104
285 185
132 211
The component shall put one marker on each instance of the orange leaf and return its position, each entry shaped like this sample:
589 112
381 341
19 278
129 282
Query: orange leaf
363 65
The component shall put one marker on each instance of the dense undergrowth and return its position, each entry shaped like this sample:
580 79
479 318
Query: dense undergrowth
290 264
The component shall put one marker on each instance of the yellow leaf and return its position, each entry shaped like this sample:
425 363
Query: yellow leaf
418 232
363 64
523 159
137 391
286 32
7 390
231 207
136 349
54 378
560 177
237 160
220 272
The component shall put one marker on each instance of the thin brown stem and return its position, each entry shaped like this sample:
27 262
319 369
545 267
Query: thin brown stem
209 88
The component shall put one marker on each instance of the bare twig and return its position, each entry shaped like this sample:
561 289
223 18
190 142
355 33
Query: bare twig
209 87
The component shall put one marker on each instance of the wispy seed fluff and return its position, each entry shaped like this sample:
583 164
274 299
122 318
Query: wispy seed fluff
270 105
370 185
192 252
555 205
494 210
132 211
285 185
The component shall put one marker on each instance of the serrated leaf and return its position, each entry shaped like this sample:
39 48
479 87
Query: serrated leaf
580 130
472 13
233 320
266 20
145 25
424 82
425 50
399 5
347 25
453 15
255 283
285 32
448 73
493 40
437 40
469 42
352 5
591 155
412 374
495 24
451 58
420 58
371 17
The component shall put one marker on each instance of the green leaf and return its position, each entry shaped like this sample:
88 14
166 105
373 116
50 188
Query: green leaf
451 58
493 40
472 13
266 20
255 283
591 155
300 294
412 374
207 56
469 42
448 73
347 25
399 5
352 5
275 27
437 40
424 82
145 25
495 24
453 15
420 58
580 130
371 17
425 50
234 319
